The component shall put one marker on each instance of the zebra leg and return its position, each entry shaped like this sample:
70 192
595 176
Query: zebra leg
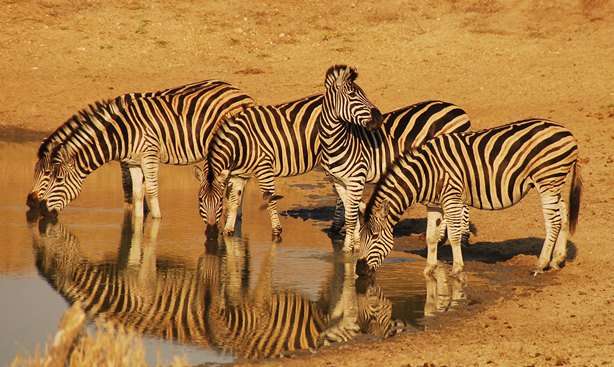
126 184
465 226
453 213
138 194
560 248
127 188
351 196
151 165
338 216
236 186
552 219
434 219
266 181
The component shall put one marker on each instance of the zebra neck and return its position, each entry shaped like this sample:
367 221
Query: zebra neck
334 133
222 151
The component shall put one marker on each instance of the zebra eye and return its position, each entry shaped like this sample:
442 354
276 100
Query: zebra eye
352 93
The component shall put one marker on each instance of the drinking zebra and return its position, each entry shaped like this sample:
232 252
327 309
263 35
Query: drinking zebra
489 169
173 126
286 140
356 151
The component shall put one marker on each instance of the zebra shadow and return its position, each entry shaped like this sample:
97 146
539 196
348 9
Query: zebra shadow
318 213
417 226
494 252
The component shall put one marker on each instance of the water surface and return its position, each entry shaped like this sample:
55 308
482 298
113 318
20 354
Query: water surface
211 300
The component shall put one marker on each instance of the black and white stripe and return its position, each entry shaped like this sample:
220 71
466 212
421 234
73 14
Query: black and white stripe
355 150
262 141
489 169
141 131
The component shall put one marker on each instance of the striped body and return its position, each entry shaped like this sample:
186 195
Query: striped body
354 155
489 169
173 126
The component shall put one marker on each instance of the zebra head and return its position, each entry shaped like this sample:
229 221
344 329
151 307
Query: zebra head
346 101
210 195
42 177
376 238
65 182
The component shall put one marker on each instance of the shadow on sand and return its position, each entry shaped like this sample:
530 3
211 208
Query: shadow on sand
493 252
318 213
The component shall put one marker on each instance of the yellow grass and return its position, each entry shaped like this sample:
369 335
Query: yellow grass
73 346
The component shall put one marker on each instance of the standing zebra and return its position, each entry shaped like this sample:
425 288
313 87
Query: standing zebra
489 169
285 140
353 155
141 131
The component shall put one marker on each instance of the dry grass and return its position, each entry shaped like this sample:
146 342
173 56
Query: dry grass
73 346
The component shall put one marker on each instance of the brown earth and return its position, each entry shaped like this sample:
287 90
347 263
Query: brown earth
500 60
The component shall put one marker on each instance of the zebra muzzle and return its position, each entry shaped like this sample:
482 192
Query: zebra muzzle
376 119
211 231
46 212
363 269
32 200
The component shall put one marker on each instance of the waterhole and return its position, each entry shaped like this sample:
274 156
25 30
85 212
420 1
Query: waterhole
211 300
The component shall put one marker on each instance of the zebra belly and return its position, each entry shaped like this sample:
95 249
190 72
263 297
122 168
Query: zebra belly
495 203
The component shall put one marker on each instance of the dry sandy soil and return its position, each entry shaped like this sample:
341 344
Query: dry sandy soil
500 60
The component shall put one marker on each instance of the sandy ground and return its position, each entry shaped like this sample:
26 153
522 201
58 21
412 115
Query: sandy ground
500 60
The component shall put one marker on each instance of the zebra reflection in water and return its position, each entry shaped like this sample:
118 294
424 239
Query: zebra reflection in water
210 305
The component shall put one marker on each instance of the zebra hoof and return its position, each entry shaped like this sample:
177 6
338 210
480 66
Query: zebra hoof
557 264
457 270
276 238
536 272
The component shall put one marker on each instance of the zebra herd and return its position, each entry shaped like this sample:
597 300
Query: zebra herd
424 153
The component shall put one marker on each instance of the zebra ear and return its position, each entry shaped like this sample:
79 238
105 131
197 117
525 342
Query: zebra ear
199 173
381 212
223 176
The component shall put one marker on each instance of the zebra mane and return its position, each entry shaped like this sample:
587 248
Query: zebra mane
340 73
89 118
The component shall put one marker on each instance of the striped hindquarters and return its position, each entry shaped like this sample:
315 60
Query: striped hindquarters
498 166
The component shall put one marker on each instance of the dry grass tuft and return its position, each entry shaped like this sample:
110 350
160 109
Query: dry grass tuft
73 346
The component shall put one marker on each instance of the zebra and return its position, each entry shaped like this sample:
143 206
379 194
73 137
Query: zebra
488 169
264 141
285 140
355 150
173 126
42 167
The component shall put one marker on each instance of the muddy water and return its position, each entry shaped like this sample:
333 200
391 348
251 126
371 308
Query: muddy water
188 295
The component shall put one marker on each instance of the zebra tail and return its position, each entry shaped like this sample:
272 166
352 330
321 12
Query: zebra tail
574 198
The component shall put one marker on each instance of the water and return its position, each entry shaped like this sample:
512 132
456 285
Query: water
185 294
